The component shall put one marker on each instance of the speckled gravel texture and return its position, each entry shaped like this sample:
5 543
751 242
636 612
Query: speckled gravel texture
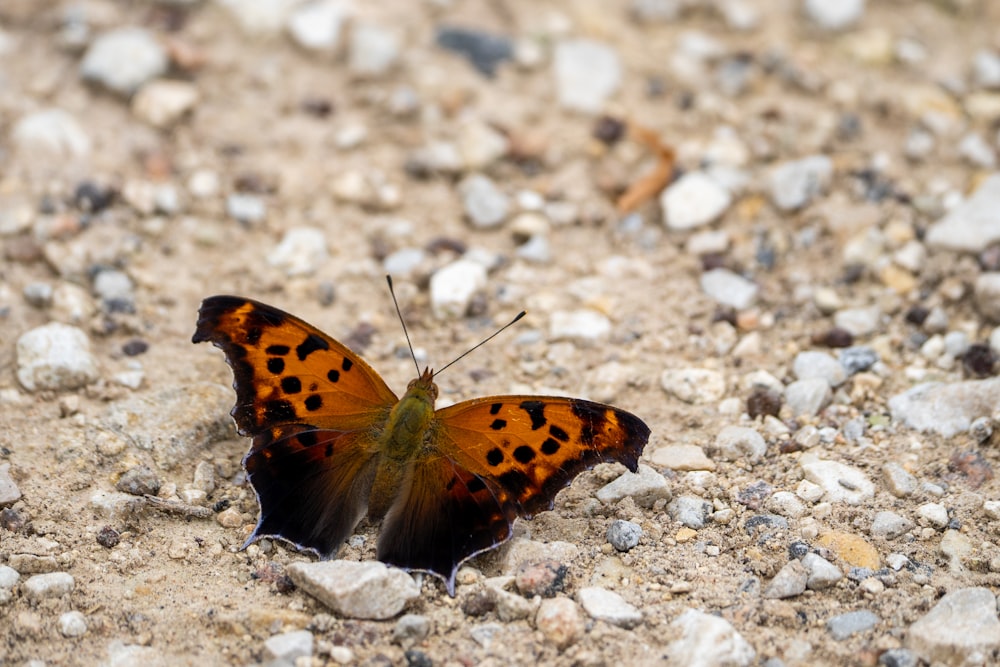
806 315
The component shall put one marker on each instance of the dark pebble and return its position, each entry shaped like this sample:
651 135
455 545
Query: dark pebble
609 130
483 50
11 519
917 314
898 657
762 402
415 658
979 361
221 505
92 198
326 292
858 358
478 603
972 466
754 495
108 537
545 578
989 259
139 481
798 549
834 337
759 521
317 106
135 347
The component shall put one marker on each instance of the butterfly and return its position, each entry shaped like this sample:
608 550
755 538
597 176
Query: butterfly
331 443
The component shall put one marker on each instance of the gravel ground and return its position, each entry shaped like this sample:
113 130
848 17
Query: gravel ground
770 229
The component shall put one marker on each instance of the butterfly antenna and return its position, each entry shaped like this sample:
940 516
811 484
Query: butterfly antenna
481 343
406 333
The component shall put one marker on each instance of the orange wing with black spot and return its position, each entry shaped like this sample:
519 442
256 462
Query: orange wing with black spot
491 460
314 409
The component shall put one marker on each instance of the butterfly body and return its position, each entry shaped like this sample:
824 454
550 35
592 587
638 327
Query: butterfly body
332 443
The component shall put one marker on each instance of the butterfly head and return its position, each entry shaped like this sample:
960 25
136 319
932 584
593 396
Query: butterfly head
424 383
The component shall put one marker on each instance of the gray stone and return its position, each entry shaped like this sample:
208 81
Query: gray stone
301 252
411 629
8 576
484 204
898 657
123 59
812 364
838 15
841 483
889 525
404 262
374 50
986 69
587 73
821 572
973 225
898 480
174 423
735 442
728 288
48 585
788 583
807 397
644 486
694 385
454 285
794 184
139 481
987 295
583 326
9 493
367 590
246 208
290 645
706 640
72 624
844 625
857 358
977 151
690 511
112 285
604 605
55 356
693 200
946 409
934 513
962 628
624 535
51 132
859 321
317 26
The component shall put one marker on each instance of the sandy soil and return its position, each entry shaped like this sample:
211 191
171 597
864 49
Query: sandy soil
179 585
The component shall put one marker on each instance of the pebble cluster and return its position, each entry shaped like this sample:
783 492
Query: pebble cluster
807 313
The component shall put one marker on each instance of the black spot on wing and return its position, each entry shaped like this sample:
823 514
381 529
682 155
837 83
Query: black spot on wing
291 385
524 454
312 343
279 410
536 411
550 447
495 408
314 403
475 485
253 335
276 365
558 433
494 457
277 350
333 376
346 366
498 424
308 438
515 482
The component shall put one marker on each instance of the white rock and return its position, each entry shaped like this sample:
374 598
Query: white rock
480 145
560 622
645 487
694 385
707 242
368 590
728 288
604 605
935 513
484 203
899 482
807 397
681 457
977 151
8 576
55 356
973 225
53 132
587 73
986 69
245 207
734 442
302 252
841 483
707 640
48 585
317 26
694 200
822 573
123 59
837 15
794 184
812 364
961 629
290 645
163 103
260 17
889 525
373 50
454 285
859 321
789 582
946 408
9 493
987 295
404 262
785 503
583 325
72 624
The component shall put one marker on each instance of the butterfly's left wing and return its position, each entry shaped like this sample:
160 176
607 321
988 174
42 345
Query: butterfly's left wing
490 460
